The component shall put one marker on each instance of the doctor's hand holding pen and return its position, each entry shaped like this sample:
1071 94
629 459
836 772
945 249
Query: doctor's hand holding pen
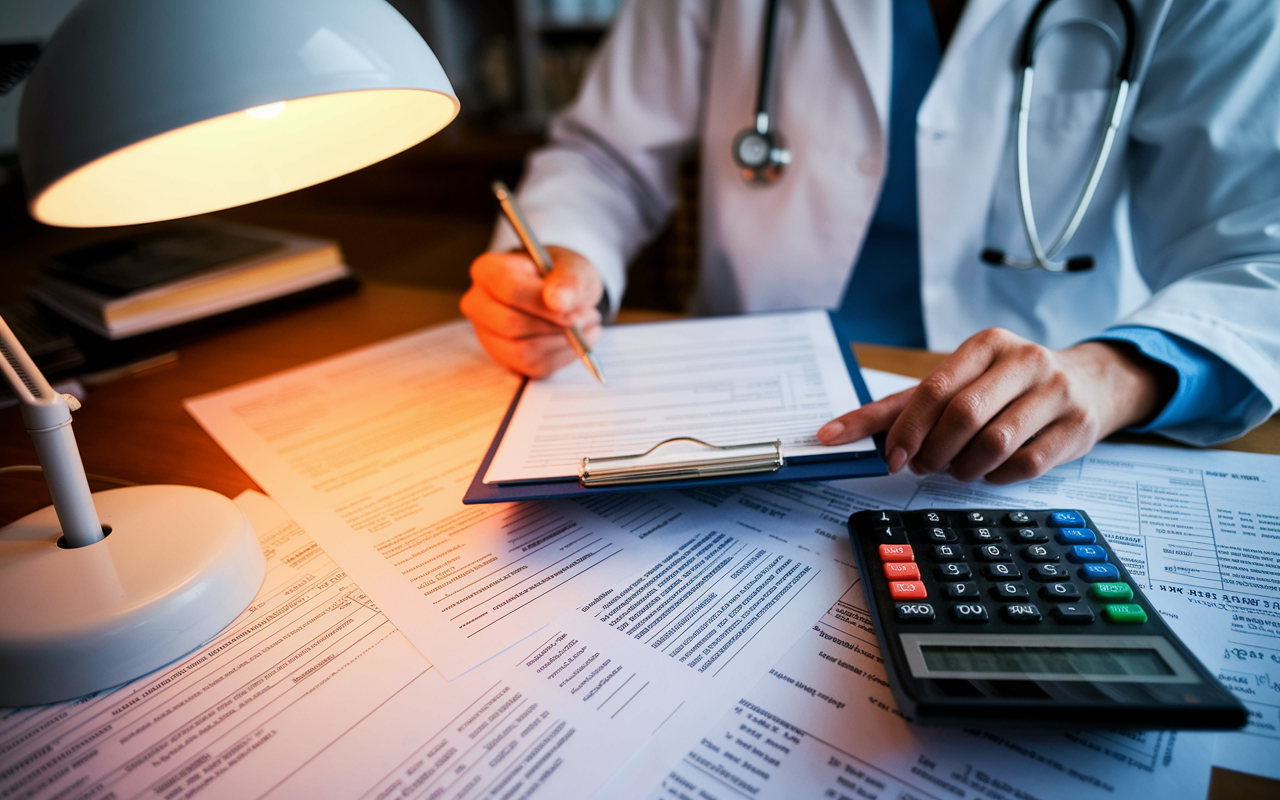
1006 409
520 317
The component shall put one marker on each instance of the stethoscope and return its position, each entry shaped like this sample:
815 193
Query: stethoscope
760 153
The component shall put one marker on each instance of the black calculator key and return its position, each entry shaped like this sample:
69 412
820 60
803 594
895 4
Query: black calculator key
976 518
891 536
1009 592
887 519
914 612
1050 572
994 552
941 535
1021 612
1060 592
961 591
969 612
981 535
1019 519
948 552
953 572
1002 572
1039 553
1074 613
1029 535
930 519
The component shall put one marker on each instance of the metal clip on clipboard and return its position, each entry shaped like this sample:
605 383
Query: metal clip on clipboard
681 459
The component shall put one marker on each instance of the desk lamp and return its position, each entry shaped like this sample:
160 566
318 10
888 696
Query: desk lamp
147 110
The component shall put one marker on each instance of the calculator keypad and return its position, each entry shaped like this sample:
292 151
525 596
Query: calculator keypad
995 568
1002 615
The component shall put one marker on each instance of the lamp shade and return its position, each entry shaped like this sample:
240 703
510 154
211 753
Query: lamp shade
146 110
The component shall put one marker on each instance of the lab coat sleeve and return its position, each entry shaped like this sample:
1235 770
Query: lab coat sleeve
1204 161
607 180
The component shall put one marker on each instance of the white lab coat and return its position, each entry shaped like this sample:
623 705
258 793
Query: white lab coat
1188 208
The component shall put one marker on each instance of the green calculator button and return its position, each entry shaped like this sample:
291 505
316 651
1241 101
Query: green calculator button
1124 612
1111 592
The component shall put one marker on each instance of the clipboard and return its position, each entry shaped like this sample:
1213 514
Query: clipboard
684 463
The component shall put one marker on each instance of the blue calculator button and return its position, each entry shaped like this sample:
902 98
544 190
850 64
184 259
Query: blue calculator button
1066 519
1093 573
1087 553
1076 536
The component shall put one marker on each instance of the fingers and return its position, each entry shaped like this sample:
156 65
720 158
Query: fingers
512 281
1025 420
1011 374
936 392
1059 443
535 356
861 422
1006 409
508 306
573 285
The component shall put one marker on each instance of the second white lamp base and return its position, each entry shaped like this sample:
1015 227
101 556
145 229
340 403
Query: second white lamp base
179 564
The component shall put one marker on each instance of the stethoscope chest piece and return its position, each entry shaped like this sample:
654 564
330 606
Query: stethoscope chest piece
759 150
760 155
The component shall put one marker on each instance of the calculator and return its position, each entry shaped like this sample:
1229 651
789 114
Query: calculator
1026 617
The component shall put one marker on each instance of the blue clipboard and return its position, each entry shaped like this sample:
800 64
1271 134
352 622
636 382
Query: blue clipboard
802 468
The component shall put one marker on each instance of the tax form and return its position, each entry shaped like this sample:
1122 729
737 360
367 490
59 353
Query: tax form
726 381
312 692
823 723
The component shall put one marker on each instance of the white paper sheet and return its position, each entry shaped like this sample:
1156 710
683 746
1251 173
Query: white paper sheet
726 381
1200 532
313 693
823 723
371 450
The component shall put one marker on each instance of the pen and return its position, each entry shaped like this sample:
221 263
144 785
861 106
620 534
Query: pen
543 261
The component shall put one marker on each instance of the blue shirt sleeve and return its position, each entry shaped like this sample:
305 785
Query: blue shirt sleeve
1209 389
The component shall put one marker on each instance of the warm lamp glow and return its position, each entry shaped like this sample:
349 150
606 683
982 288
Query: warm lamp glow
235 159
266 112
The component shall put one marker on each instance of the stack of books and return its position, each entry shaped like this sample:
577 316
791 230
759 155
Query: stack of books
198 270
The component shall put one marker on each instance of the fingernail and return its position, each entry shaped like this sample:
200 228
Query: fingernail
897 460
831 430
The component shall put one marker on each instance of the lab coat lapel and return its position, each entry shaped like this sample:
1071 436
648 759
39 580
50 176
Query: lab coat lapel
977 14
868 24
963 130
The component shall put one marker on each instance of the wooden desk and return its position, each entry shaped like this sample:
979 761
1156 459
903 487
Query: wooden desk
135 429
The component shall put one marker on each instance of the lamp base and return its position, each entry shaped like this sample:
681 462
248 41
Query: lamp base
179 564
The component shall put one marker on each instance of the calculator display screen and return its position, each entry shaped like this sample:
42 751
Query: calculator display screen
1045 660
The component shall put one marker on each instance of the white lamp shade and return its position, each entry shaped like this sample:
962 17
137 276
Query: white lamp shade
146 110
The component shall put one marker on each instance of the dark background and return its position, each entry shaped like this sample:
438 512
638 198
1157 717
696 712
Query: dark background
423 215
419 217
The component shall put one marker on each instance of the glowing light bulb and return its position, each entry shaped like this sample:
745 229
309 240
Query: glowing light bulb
266 112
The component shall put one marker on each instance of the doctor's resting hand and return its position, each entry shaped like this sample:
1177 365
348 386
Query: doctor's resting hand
520 317
1006 409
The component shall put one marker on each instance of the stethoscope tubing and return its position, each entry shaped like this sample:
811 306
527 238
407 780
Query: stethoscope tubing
775 156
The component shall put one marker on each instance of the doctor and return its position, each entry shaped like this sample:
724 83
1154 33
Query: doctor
896 170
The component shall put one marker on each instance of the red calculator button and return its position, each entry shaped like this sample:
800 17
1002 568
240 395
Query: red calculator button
907 590
902 571
896 552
